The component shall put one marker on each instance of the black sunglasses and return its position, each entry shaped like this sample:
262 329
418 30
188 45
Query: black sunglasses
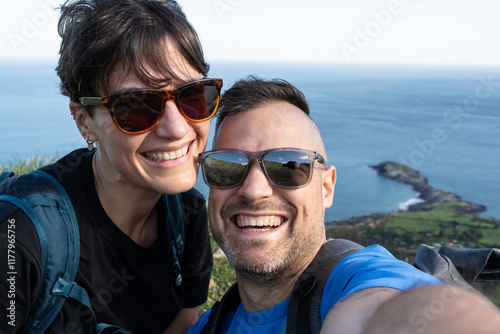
139 111
283 167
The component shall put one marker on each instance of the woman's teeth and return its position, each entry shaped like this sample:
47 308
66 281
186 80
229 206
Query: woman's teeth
165 156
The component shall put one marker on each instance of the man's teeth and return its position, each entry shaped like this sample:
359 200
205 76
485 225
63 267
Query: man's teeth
165 156
264 223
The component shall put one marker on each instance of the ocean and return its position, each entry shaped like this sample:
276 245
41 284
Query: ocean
442 121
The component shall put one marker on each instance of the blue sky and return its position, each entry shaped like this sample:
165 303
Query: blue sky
342 31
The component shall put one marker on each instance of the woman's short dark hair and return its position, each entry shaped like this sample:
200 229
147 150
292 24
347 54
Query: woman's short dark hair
99 35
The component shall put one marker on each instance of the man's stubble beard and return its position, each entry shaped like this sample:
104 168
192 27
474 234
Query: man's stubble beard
274 268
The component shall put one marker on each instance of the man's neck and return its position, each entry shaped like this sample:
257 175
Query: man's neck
261 296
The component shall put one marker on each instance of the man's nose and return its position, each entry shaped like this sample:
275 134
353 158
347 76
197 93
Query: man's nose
255 186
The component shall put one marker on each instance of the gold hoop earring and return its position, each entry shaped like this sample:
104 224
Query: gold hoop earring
90 144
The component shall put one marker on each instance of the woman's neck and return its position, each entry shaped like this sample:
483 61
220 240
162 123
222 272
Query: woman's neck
131 209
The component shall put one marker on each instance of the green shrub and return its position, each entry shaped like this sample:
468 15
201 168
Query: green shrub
23 165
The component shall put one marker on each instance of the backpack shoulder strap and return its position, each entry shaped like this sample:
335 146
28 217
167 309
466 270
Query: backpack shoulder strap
177 226
54 219
52 215
176 222
304 310
230 301
5 175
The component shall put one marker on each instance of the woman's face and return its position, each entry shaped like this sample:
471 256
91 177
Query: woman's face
164 159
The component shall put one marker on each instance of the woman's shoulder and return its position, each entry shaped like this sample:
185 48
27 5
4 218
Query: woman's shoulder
193 198
193 193
67 166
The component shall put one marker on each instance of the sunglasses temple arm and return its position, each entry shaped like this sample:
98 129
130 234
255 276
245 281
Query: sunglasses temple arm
91 101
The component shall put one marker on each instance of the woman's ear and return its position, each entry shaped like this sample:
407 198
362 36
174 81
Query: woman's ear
329 179
80 116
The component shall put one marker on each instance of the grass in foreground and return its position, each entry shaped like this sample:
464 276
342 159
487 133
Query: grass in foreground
24 165
223 277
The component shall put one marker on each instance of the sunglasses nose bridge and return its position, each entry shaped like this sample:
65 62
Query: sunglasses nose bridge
171 96
167 96
255 184
260 168
171 122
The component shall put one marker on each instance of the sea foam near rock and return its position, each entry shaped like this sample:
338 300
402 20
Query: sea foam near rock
405 205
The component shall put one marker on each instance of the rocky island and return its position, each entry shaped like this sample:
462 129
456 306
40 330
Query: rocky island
430 197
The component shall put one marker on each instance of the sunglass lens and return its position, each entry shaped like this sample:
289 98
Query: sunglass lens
224 169
288 168
135 113
199 102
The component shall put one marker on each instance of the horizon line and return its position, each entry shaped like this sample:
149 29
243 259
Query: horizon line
297 61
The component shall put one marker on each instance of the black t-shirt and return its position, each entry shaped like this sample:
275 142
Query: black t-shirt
129 286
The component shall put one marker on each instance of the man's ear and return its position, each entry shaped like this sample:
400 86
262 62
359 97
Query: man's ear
328 180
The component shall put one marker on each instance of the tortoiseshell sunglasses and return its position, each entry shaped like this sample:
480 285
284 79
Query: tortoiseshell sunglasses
136 112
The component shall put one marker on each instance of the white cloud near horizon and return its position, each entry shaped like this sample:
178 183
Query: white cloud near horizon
458 32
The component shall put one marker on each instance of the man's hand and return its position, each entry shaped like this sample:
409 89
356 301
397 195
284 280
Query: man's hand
350 315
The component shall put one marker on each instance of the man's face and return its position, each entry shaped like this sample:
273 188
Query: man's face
270 233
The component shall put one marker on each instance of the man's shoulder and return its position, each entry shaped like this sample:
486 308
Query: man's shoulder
371 252
375 264
202 321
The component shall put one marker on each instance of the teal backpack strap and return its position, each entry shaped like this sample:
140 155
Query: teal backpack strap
53 217
65 287
6 175
54 220
74 291
177 226
176 222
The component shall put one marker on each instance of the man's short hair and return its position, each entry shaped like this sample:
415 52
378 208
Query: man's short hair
99 35
253 92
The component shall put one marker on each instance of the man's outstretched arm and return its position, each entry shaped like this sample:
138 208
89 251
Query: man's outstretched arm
429 310
436 310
